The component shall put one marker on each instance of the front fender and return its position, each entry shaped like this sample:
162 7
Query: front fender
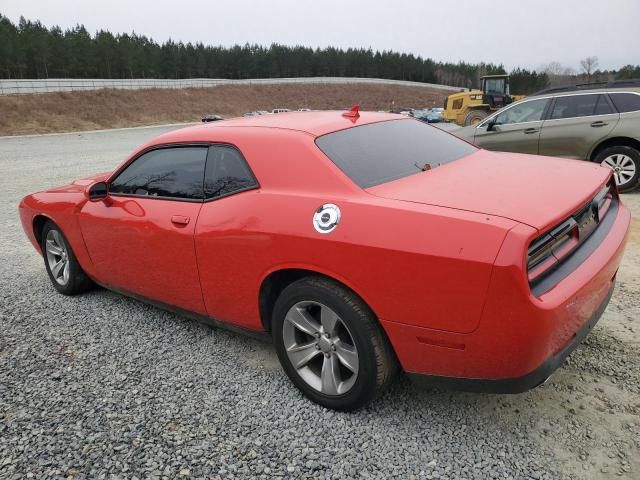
61 208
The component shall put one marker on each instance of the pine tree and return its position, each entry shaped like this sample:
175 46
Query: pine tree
30 50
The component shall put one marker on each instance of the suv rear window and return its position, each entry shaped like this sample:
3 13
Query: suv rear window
626 102
381 152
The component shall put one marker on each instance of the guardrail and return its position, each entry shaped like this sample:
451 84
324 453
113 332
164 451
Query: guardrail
30 86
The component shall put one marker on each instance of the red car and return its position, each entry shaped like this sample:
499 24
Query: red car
360 242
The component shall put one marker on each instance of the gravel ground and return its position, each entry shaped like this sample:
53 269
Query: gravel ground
102 386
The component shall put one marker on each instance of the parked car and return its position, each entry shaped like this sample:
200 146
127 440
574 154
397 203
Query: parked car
429 115
436 115
601 126
280 110
357 242
211 118
401 110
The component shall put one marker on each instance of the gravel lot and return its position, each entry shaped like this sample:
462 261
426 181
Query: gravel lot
101 386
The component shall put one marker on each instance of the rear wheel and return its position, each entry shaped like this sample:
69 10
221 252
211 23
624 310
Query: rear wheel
474 117
330 344
625 163
63 268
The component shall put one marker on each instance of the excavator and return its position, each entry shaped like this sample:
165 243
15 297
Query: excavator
471 107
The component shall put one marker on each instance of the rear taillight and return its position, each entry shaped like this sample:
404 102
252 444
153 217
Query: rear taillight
546 251
549 250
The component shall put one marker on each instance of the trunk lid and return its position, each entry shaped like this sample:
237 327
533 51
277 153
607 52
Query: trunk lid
538 191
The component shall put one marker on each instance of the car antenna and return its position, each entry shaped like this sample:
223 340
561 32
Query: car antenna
353 112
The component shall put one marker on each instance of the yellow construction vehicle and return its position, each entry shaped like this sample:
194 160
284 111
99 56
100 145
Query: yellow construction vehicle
469 108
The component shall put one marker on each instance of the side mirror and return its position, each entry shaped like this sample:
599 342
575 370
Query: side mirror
98 191
492 126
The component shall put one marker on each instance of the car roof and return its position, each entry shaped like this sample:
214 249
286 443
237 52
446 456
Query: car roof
582 91
311 123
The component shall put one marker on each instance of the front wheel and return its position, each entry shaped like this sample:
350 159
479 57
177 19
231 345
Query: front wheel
63 268
625 163
474 117
330 344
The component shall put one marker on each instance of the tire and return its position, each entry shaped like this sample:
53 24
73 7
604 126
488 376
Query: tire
625 162
474 117
324 353
69 279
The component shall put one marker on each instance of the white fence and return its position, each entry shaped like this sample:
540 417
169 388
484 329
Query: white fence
19 87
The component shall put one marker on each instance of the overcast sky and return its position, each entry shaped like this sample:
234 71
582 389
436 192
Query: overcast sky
511 32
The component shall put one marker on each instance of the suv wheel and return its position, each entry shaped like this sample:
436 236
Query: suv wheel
625 163
330 344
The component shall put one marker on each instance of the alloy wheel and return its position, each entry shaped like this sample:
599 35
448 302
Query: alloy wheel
624 168
320 348
57 257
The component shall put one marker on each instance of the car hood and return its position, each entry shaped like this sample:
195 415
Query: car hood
80 184
98 177
538 191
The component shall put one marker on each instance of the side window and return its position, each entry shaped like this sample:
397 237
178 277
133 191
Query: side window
530 111
166 172
227 172
573 106
603 107
626 102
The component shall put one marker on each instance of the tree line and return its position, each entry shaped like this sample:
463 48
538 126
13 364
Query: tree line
31 50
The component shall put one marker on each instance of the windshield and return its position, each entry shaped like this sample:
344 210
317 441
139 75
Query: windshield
385 151
495 85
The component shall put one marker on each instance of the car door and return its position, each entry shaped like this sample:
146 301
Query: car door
140 238
576 123
225 252
514 129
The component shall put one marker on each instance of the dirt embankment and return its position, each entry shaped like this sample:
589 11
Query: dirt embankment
98 109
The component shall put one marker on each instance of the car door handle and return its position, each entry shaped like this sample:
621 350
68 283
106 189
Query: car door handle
599 123
531 130
180 220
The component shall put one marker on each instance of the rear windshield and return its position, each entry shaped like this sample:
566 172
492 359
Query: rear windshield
381 152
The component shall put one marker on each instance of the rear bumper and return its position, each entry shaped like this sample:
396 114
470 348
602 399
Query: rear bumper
520 339
517 384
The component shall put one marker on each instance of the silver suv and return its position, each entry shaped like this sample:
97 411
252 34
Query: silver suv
600 125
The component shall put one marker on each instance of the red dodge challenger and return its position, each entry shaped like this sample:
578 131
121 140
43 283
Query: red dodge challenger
361 243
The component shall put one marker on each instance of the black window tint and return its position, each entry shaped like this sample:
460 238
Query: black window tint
382 152
167 172
602 107
227 172
626 102
574 106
